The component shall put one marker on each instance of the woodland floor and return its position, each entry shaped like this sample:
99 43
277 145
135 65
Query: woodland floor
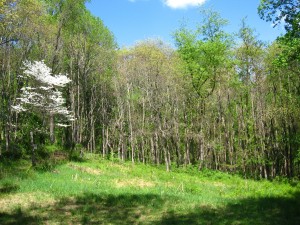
105 192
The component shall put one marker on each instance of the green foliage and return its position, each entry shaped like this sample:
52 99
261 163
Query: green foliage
278 11
16 152
76 154
51 148
204 52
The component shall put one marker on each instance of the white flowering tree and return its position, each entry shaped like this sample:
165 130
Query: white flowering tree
43 95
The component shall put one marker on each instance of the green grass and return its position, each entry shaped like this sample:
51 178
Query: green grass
105 192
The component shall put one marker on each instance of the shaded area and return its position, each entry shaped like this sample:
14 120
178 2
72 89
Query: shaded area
89 209
149 209
8 187
18 217
259 211
15 169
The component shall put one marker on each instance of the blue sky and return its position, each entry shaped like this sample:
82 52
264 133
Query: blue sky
135 20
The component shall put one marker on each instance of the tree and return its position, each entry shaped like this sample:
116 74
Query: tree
206 56
284 76
279 11
90 61
22 23
204 52
149 97
42 95
251 129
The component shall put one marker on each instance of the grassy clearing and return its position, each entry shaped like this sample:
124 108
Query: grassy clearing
105 192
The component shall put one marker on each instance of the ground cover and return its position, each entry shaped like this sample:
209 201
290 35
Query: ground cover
98 191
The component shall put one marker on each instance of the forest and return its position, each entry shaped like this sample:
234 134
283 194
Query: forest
221 101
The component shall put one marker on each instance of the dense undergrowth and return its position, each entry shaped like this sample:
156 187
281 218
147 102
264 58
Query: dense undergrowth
97 191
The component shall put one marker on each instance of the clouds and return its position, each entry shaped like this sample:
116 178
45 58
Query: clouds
181 4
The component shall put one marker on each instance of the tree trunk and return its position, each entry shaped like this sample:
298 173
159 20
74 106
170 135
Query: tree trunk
33 148
51 121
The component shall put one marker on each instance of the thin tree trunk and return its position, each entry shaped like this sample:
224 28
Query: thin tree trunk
33 147
51 123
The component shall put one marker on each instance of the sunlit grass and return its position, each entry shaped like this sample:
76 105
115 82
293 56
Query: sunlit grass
101 191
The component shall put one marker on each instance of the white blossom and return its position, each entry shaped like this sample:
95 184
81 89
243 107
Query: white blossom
18 108
45 95
41 72
62 125
27 88
45 88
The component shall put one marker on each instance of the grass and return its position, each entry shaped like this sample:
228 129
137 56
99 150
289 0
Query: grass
105 192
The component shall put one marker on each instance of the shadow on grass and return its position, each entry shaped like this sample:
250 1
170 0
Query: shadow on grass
152 209
7 188
89 209
18 217
264 211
